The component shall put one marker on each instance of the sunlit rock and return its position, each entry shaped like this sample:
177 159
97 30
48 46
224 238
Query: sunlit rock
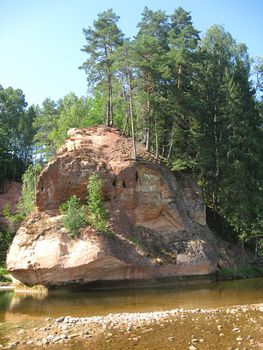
157 218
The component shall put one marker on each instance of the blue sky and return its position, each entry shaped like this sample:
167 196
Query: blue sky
40 40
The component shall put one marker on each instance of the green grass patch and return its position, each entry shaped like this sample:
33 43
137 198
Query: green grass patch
134 240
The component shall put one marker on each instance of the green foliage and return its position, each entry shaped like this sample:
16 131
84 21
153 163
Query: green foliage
74 112
188 100
259 249
30 178
241 271
137 242
26 202
3 270
179 165
75 216
228 132
4 275
54 120
14 219
6 211
101 41
45 125
6 238
16 133
98 215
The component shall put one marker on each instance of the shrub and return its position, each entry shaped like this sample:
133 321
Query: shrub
98 215
13 219
26 202
24 208
6 238
241 271
75 216
30 178
4 275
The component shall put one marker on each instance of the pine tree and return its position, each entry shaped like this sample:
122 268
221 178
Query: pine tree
241 188
228 133
124 59
216 61
183 39
102 41
150 46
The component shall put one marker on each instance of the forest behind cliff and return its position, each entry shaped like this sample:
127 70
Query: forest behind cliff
195 103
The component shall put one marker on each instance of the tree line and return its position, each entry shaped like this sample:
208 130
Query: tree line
196 103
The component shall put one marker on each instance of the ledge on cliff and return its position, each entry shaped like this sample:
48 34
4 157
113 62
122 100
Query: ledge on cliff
158 218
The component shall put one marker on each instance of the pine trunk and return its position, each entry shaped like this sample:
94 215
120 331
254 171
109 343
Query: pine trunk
156 142
110 101
132 116
216 170
126 125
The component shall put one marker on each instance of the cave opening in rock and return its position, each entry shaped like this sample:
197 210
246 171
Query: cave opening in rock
124 184
107 198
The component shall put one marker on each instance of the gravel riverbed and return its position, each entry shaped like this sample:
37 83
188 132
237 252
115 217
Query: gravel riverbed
234 328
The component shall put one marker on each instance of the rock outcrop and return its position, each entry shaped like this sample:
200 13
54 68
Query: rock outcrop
10 192
158 219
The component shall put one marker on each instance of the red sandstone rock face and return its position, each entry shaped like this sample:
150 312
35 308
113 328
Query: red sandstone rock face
10 193
158 219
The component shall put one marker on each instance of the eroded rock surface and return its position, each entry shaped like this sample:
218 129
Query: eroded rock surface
158 219
10 192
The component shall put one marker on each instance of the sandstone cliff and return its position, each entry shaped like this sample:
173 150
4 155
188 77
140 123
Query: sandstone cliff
158 219
10 192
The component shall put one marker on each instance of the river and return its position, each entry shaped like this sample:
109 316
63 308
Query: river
20 311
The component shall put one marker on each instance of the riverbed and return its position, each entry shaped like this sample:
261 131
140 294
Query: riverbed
218 315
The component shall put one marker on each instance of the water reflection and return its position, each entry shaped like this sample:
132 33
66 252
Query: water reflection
5 301
90 303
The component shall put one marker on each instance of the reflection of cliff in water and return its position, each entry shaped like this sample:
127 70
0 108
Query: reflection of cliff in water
136 300
5 301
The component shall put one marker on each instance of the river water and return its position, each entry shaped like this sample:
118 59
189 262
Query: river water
19 308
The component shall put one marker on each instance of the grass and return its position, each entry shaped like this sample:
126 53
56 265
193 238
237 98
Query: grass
138 243
134 240
241 271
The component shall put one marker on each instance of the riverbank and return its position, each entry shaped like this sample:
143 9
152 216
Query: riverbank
6 287
237 327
